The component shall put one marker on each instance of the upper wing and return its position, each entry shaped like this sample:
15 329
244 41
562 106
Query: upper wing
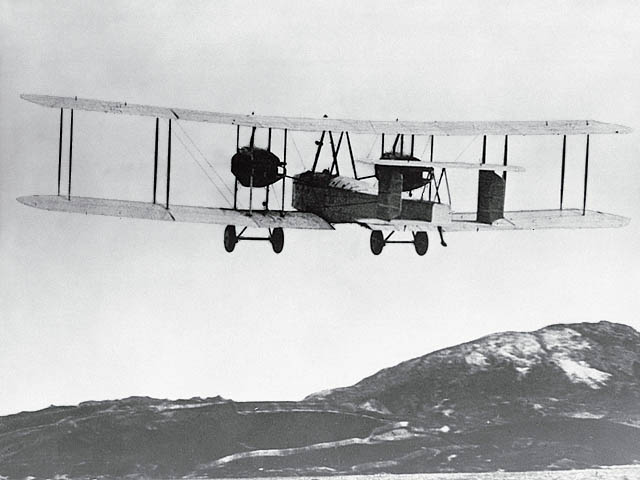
177 213
551 127
516 220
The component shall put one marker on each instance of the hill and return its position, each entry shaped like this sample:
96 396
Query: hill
565 396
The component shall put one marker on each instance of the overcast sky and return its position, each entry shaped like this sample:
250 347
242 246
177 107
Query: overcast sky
96 308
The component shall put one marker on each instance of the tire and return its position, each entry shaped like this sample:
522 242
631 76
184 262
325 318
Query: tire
376 242
230 238
421 242
277 239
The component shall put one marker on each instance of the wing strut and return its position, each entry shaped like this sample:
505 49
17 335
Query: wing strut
353 161
334 151
155 162
564 156
319 144
168 165
235 183
60 150
431 149
268 187
70 155
506 153
586 176
284 168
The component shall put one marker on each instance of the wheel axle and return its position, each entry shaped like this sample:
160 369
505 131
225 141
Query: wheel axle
231 238
377 242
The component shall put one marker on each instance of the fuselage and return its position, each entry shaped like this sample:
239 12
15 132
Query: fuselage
340 199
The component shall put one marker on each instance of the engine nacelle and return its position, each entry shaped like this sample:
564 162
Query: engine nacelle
258 163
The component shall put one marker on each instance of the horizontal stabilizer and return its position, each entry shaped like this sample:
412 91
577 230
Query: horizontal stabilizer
451 165
177 213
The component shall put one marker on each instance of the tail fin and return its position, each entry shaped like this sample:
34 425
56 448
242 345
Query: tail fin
389 192
491 188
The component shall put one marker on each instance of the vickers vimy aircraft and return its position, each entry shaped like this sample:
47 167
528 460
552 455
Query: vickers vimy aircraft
322 198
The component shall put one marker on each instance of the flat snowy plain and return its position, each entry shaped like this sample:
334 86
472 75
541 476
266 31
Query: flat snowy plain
626 472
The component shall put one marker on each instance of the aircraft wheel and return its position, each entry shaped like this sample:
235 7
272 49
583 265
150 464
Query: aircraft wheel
230 238
376 242
421 242
277 239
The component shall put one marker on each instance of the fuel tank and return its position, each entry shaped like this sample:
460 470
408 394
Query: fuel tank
257 162
412 178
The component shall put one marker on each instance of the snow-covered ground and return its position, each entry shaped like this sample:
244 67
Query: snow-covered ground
627 472
562 347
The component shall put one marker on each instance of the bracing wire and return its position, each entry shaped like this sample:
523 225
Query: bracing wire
205 158
425 149
275 194
375 139
204 170
297 150
446 181
466 148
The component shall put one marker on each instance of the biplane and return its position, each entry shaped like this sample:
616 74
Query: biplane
405 194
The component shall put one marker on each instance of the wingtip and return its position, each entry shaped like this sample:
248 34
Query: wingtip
28 200
619 129
30 97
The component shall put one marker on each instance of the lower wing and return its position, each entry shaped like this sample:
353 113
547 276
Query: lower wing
177 213
460 222
515 220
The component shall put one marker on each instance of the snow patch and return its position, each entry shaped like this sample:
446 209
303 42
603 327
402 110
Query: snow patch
395 434
322 394
374 406
521 349
580 371
585 415
564 343
164 407
524 350
565 340
476 358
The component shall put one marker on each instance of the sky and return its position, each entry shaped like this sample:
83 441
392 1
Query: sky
98 308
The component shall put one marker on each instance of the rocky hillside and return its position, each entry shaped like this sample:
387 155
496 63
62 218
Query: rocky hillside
566 396
585 370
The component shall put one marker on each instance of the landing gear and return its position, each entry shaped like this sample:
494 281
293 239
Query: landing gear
276 238
376 242
231 238
421 242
